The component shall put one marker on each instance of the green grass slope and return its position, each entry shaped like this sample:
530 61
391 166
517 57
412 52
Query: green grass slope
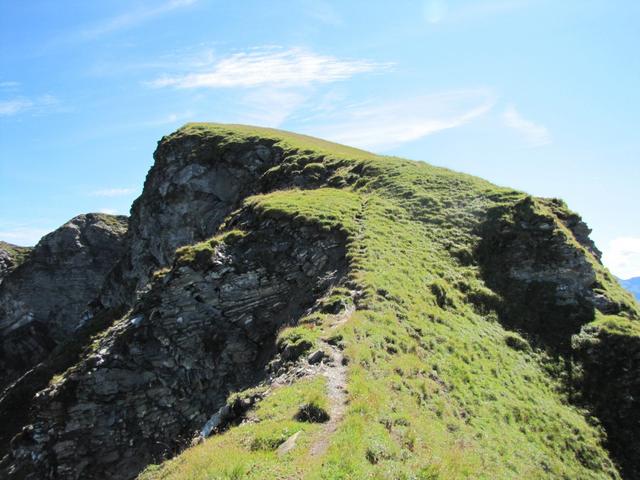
438 386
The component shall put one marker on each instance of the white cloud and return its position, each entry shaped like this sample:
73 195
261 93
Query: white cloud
22 235
132 18
113 192
270 67
622 257
38 105
534 134
385 125
14 106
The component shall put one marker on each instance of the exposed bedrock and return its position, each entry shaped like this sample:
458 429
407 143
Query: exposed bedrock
43 299
546 282
193 185
205 328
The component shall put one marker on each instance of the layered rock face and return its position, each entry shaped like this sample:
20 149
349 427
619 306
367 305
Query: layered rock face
215 320
206 328
194 184
42 301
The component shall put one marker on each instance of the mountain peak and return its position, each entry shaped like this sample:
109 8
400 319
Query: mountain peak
283 306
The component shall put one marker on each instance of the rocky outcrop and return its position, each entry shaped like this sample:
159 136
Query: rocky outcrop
573 222
42 301
206 327
196 181
530 256
193 185
533 254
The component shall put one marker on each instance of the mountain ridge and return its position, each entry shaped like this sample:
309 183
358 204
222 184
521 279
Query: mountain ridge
476 323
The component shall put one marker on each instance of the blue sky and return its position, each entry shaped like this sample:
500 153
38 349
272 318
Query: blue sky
539 95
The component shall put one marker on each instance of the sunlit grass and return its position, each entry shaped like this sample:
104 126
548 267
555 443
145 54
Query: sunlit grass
437 388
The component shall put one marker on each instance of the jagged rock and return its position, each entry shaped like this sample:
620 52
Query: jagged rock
574 223
315 357
289 444
218 419
42 301
547 283
202 331
193 185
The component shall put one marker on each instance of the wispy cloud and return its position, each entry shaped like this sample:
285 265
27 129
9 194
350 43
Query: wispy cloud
534 134
132 18
270 67
113 192
18 105
622 257
383 126
9 85
14 106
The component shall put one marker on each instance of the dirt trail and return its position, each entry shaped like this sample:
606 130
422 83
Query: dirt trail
333 367
336 373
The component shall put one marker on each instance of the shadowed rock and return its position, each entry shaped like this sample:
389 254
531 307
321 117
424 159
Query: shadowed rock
43 299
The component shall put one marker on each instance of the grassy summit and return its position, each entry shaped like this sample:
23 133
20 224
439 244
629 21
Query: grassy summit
445 378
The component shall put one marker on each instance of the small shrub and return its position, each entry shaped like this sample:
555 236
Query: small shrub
515 341
312 412
294 342
440 291
377 452
269 440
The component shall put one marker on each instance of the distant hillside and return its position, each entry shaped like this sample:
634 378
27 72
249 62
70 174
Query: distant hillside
282 307
11 256
633 285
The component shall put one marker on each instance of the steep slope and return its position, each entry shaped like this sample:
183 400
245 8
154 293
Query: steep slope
324 312
193 185
42 300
